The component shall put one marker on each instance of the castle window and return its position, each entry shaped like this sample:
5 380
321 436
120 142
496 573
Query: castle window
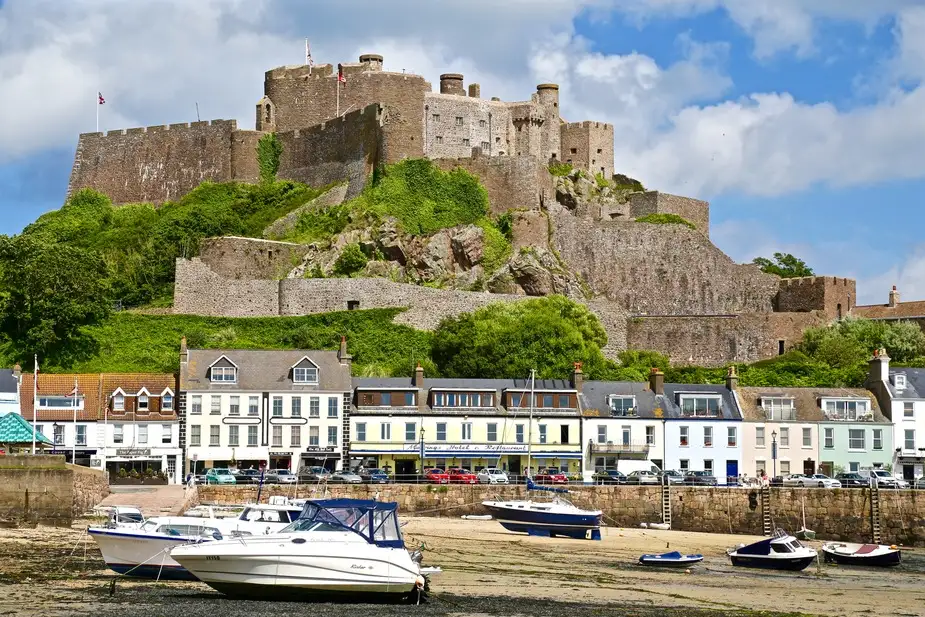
466 143
486 145
353 305
568 161
458 120
482 123
439 139
594 161
497 140
598 150
436 117
573 150
602 170
780 347
268 114
553 157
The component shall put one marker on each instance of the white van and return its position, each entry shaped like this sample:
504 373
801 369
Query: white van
883 478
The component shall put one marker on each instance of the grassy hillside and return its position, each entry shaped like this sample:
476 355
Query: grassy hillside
150 343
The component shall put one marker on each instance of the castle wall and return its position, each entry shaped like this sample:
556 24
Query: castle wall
659 269
588 145
244 155
156 163
250 258
715 340
454 124
511 181
833 295
655 202
347 148
198 290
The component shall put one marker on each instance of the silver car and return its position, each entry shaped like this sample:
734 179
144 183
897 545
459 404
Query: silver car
643 477
283 476
345 477
492 475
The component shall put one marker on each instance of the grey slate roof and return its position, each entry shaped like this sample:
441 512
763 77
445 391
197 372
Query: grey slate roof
7 381
669 402
264 370
915 383
594 396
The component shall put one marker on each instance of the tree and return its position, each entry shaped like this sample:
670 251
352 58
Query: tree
51 292
784 265
506 340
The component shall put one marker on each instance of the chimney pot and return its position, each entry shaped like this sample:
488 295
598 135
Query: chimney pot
657 381
894 297
342 356
578 377
17 371
418 381
732 378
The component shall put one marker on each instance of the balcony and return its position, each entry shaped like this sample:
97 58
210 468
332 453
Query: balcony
843 416
776 414
623 450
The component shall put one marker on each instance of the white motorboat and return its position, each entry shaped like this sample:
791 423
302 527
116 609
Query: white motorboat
128 517
144 552
849 554
780 552
558 517
347 548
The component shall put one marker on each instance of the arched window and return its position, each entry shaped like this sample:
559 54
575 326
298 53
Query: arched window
269 114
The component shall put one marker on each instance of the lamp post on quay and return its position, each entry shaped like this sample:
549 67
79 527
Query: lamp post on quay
774 451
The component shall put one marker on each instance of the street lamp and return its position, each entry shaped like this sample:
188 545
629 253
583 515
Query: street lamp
422 449
774 451
54 436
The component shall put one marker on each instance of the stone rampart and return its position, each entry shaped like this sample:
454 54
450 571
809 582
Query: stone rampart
44 489
512 182
156 163
834 514
250 258
200 291
91 486
715 340
655 202
835 296
659 269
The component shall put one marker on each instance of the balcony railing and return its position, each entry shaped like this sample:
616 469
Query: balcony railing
841 416
640 450
780 415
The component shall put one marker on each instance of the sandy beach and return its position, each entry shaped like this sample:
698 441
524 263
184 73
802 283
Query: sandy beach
486 571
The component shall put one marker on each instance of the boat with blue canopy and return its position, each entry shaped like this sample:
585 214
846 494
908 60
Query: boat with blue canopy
674 559
779 552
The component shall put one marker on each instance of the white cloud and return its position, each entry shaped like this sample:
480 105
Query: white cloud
908 276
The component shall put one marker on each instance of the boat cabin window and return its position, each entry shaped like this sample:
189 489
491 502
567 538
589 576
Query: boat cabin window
128 517
386 526
264 516
188 530
781 547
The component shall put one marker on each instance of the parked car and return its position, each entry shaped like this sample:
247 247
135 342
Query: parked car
643 477
883 478
220 475
313 474
282 476
435 475
492 475
609 476
920 482
247 476
776 481
550 475
344 477
852 480
700 478
674 476
820 480
795 479
374 476
460 475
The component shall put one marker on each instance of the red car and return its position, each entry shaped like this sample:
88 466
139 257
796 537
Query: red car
550 475
436 476
458 475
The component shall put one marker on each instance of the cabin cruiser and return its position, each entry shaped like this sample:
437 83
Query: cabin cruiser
128 517
347 548
558 517
145 551
780 552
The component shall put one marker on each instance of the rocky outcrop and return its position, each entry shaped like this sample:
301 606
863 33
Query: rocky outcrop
586 198
535 272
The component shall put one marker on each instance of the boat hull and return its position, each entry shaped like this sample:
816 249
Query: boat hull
524 520
883 560
669 563
304 570
792 564
141 556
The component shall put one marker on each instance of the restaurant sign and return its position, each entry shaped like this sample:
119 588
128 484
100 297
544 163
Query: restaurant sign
463 448
133 451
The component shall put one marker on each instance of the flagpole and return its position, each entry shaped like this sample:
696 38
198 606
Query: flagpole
35 397
74 447
337 112
97 114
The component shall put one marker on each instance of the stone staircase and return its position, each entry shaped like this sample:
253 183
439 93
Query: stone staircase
875 514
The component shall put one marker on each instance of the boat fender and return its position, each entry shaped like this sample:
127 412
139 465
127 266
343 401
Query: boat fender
419 582
893 547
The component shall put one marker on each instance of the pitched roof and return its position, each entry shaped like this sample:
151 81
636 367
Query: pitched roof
264 370
805 401
915 383
8 383
14 429
594 395
95 388
902 310
672 410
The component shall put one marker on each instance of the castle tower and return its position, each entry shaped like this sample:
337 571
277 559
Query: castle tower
452 83
371 62
266 115
548 97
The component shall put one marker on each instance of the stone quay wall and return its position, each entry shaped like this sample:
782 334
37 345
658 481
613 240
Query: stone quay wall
834 514
44 489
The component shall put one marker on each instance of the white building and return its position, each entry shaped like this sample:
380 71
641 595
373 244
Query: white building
9 390
901 395
282 409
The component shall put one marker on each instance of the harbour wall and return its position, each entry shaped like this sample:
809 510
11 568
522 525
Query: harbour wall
44 489
834 514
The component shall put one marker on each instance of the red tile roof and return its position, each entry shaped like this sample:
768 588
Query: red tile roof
96 390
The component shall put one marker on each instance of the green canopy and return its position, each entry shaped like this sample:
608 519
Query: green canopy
15 430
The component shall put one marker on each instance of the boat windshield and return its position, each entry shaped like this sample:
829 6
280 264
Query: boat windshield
781 547
263 515
376 522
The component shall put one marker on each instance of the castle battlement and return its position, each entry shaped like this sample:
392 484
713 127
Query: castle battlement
806 281
588 124
374 110
161 128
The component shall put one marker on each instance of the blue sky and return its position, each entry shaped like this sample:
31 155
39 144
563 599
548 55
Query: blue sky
799 120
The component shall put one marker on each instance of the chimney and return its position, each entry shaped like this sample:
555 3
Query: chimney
184 352
578 377
894 297
732 378
879 367
342 356
657 381
418 381
17 372
475 91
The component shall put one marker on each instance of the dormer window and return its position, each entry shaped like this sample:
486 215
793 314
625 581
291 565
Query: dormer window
118 402
899 381
622 405
224 374
305 372
698 405
142 402
167 402
847 409
778 408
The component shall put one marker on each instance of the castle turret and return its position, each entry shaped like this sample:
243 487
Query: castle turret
452 83
372 62
548 97
475 91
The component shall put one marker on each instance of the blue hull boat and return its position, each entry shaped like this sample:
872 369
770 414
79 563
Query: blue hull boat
673 559
558 517
780 552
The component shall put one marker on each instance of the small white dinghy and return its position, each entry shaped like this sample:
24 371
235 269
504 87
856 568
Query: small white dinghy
848 554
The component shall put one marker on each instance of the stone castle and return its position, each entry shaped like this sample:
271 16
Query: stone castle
661 287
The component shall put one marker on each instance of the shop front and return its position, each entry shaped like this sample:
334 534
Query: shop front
80 456
320 456
139 462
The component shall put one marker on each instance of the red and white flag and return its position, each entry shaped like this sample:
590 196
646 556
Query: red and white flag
340 74
75 390
102 100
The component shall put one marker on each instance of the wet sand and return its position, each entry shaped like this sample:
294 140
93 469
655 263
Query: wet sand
486 571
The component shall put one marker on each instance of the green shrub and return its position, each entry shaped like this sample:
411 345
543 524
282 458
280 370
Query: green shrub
269 150
560 169
496 247
665 219
505 224
350 261
320 224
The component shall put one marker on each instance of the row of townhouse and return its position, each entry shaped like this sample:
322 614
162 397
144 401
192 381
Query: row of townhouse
292 409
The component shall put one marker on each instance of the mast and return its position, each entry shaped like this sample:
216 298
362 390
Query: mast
530 425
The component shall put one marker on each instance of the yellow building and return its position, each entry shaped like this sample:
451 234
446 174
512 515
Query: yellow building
471 423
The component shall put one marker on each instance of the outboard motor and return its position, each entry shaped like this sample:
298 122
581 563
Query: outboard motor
417 557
